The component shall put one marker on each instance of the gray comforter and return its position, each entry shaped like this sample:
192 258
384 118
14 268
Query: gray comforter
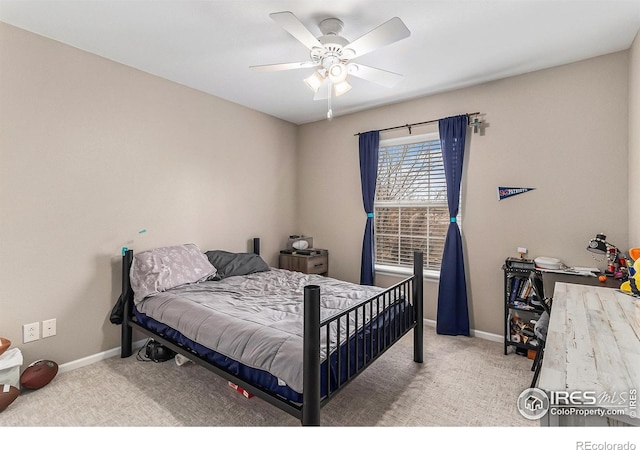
257 319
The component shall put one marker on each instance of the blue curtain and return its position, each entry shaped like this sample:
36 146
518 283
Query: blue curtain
453 311
368 144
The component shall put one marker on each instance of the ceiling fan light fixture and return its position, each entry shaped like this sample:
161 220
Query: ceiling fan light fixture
348 53
331 54
341 88
314 81
338 73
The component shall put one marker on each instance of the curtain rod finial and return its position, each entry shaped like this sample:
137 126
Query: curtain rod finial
475 124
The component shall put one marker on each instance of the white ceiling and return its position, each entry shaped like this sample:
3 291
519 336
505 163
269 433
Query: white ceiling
209 45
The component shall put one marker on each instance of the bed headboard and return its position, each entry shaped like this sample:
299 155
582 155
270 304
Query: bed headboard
123 310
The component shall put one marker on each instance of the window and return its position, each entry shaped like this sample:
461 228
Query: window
410 208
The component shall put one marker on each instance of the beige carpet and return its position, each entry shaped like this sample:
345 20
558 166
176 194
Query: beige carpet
463 382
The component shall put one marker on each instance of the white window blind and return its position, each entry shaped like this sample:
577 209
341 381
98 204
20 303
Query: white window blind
411 212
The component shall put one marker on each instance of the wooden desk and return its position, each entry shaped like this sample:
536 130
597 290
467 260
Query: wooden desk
549 280
593 344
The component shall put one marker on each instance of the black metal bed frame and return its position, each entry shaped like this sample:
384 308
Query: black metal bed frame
406 296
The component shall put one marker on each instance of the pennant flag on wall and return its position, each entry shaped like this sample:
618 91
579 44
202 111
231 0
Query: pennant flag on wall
505 192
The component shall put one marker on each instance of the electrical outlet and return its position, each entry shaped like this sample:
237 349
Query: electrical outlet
30 332
48 328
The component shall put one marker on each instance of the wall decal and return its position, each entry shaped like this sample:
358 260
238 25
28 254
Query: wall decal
505 192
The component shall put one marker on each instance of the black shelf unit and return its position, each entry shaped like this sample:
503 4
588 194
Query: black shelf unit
520 314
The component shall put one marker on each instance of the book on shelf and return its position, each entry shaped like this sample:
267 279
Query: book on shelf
515 283
525 289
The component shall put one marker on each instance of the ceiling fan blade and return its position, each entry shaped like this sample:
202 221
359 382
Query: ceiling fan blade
295 28
379 76
389 32
284 66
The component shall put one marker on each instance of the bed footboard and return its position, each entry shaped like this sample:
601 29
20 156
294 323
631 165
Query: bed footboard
354 338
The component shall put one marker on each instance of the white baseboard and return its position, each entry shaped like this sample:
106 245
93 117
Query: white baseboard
136 345
488 336
66 367
474 333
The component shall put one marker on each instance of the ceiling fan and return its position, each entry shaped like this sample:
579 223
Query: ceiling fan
332 55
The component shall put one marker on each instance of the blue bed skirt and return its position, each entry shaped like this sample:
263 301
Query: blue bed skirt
387 326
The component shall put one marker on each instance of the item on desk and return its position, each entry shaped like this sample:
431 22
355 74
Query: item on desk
546 262
602 278
520 263
617 261
585 269
632 285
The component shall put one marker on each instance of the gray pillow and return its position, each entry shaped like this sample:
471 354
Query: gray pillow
163 268
229 264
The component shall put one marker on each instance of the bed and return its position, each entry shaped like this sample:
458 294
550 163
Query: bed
292 339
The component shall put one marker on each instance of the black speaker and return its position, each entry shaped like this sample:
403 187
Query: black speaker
157 352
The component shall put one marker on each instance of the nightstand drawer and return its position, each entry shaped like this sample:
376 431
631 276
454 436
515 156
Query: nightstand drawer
317 264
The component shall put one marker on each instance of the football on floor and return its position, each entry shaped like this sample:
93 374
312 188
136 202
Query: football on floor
8 394
38 374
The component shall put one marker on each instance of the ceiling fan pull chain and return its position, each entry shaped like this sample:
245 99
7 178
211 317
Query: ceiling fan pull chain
329 112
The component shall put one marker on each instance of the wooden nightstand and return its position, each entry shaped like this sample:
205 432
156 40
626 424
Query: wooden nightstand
317 264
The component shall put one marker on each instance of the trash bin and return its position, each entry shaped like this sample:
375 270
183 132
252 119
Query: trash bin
10 364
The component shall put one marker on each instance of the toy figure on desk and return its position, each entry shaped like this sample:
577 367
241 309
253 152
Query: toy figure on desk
617 265
632 285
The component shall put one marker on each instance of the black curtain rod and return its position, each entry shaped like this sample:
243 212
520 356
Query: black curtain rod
409 125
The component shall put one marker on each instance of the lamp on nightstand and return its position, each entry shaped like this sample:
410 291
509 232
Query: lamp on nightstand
298 242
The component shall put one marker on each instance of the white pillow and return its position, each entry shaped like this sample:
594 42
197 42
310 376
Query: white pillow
164 268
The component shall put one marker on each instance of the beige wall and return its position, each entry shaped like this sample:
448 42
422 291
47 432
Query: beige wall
634 143
563 131
91 153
